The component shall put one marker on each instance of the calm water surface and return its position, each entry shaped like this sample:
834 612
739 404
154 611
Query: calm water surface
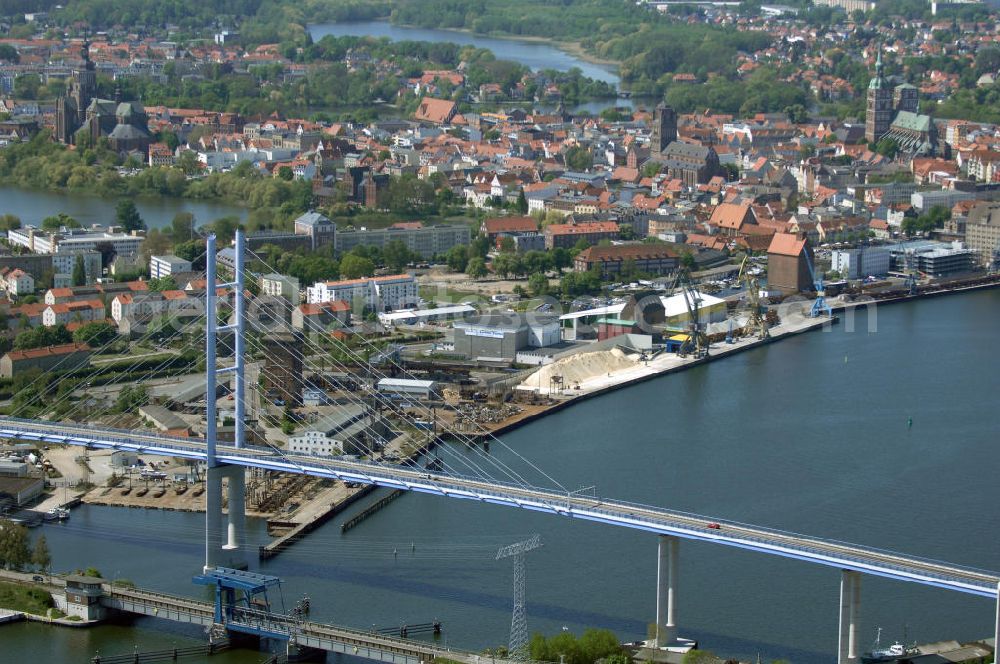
32 205
532 54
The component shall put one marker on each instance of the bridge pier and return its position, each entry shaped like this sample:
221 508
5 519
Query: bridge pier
666 590
850 616
225 544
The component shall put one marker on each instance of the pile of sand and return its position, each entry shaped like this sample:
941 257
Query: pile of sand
582 367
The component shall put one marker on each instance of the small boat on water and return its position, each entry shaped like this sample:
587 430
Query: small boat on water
56 514
892 653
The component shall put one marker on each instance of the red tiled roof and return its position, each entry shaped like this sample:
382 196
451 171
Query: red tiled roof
581 229
48 351
786 244
627 252
510 225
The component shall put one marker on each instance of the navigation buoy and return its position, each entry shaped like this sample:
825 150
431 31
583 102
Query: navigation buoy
845 359
909 421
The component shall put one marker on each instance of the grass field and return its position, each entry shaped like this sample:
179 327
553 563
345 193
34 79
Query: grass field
17 597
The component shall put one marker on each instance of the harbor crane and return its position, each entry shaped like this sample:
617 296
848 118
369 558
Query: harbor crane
756 323
696 343
819 306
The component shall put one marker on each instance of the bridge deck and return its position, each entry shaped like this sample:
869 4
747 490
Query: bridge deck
642 517
331 638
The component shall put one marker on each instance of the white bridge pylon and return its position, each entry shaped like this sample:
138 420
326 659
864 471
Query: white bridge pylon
225 547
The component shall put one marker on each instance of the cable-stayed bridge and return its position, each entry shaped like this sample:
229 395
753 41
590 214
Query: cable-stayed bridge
489 481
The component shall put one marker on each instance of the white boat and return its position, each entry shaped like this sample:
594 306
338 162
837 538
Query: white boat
886 654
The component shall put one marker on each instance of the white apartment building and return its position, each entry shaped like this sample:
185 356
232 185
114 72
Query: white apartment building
73 312
18 283
164 266
280 285
144 304
379 293
316 443
861 262
74 241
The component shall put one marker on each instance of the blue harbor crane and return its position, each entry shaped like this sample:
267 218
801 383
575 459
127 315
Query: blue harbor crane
820 306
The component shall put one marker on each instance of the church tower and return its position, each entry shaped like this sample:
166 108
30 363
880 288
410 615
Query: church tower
878 115
71 110
664 129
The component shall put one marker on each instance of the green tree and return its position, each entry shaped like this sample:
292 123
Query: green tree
700 657
507 245
224 228
96 334
887 147
27 86
188 162
457 258
160 284
522 203
127 216
41 337
687 261
79 272
55 222
561 258
353 266
538 283
476 268
593 645
797 113
9 53
396 255
504 265
131 397
9 222
40 556
15 552
578 158
182 227
286 173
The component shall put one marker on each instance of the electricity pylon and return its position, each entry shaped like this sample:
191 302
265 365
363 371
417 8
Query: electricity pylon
518 647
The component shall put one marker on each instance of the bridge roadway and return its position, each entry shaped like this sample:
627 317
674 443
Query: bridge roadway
331 638
658 520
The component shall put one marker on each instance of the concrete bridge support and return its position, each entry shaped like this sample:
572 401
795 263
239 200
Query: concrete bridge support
850 616
666 591
225 538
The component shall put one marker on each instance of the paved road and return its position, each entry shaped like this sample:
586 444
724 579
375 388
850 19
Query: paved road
642 517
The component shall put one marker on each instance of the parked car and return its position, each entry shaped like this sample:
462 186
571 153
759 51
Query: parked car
713 526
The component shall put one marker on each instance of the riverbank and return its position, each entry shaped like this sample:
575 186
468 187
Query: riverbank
662 365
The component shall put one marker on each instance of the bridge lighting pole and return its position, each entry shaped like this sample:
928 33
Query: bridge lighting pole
850 616
666 590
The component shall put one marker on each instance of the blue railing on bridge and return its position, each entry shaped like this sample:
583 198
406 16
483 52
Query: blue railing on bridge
544 499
